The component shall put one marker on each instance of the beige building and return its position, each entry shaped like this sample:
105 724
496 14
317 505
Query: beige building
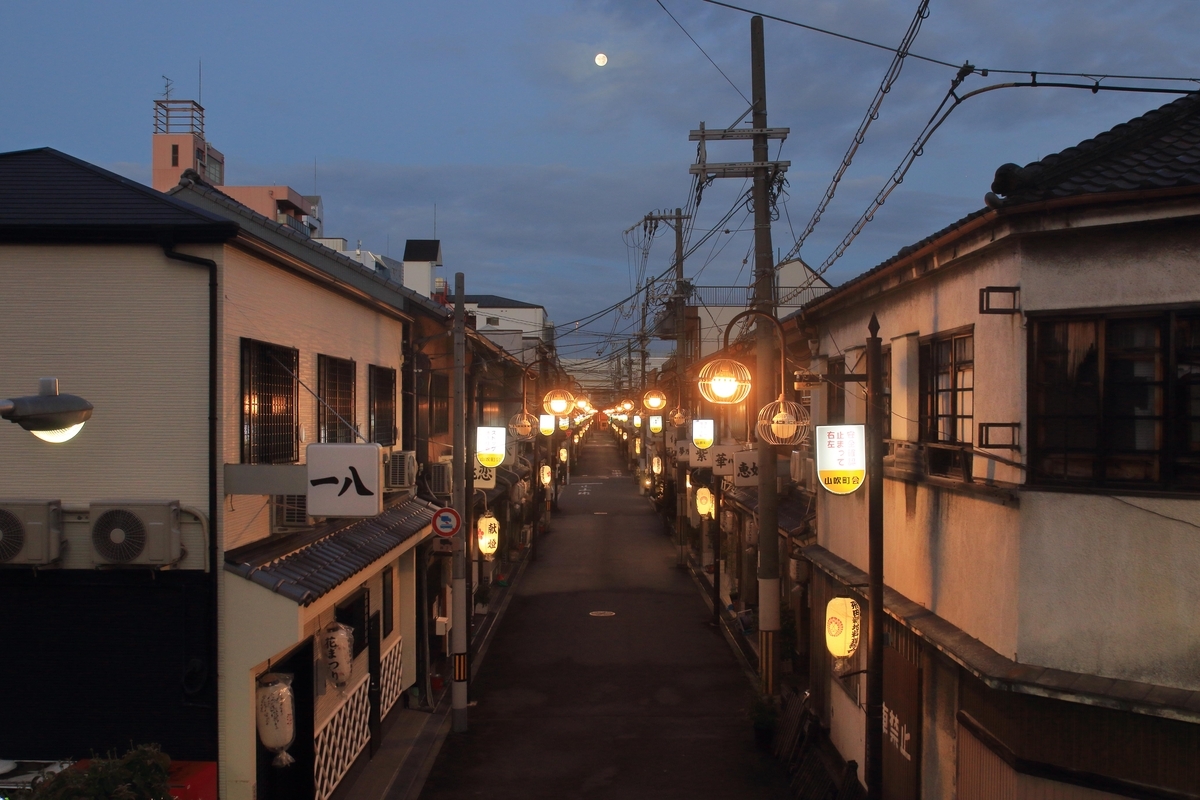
1040 488
216 345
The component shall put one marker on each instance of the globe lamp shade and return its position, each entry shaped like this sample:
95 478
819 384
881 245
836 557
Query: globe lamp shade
654 400
724 382
558 402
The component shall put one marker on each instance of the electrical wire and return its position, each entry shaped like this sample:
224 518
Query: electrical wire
701 49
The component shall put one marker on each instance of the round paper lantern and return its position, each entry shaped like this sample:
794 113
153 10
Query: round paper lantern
546 475
563 455
704 502
275 715
656 465
843 624
488 529
724 381
336 646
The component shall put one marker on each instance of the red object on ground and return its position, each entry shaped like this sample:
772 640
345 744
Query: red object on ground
435 683
194 780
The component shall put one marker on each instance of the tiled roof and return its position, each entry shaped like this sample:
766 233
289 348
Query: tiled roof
1158 150
47 195
306 573
496 301
794 510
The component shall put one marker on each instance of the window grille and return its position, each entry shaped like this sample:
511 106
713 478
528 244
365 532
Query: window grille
335 387
947 372
269 409
381 388
289 511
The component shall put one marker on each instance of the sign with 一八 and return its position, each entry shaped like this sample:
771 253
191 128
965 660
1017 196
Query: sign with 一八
841 457
344 480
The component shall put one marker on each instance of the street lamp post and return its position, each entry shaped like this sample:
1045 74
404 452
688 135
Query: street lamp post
48 415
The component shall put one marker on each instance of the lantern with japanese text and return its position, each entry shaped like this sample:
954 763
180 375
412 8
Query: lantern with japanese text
843 624
487 528
656 465
275 715
545 474
563 455
705 505
337 641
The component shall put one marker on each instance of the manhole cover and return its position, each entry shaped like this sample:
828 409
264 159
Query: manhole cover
602 614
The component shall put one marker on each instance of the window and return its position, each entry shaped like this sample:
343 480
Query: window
388 600
947 375
355 611
335 410
1115 400
836 394
269 391
493 321
439 404
381 412
174 155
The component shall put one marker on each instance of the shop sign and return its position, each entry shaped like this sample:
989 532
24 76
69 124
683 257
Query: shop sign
901 726
745 468
722 458
841 457
344 480
683 451
485 477
700 458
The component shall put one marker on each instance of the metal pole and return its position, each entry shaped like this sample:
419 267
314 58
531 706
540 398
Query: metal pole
680 372
458 631
764 300
874 742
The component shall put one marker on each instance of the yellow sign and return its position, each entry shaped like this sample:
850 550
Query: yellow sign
546 424
656 424
841 457
702 433
489 446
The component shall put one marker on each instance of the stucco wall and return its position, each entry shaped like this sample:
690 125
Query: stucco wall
264 302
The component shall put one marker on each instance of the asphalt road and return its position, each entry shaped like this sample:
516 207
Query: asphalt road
647 702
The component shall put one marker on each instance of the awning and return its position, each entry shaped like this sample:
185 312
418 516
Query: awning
303 574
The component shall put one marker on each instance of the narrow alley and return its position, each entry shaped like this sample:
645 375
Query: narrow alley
605 678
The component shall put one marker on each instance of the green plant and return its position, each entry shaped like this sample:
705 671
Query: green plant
140 774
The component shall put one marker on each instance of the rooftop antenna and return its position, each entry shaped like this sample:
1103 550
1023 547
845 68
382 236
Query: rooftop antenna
200 85
167 87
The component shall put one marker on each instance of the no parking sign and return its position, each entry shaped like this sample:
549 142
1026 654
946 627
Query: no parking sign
446 522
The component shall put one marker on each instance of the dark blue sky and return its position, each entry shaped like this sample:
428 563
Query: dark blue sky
535 157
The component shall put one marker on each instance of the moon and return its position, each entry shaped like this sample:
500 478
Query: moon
601 59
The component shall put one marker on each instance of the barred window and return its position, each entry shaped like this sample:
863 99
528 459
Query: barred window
335 412
947 371
381 411
270 388
1115 400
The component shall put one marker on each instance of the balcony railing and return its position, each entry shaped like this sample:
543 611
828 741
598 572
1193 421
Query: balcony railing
292 222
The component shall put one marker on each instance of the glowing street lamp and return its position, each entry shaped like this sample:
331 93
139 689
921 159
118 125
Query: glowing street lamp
48 415
724 381
654 400
558 402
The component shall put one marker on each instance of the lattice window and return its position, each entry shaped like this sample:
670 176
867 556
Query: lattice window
270 387
340 741
391 676
381 388
335 412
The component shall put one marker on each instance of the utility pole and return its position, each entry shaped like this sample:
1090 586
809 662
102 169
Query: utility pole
458 631
764 300
874 743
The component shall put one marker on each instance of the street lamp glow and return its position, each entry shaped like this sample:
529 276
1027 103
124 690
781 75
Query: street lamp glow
724 381
654 400
601 59
48 415
59 436
558 402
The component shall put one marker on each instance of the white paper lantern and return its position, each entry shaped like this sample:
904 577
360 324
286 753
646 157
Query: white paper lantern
546 424
488 530
275 715
337 643
843 624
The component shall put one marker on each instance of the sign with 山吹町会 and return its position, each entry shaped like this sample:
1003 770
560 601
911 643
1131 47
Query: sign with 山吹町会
841 457
344 480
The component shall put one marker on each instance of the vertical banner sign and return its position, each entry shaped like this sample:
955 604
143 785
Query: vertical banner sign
901 725
841 457
683 451
722 459
745 468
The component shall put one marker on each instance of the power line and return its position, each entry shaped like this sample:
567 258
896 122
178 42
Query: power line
701 49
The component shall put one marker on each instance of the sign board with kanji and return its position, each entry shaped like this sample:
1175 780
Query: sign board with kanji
485 477
841 457
901 726
722 458
683 451
745 468
344 480
700 458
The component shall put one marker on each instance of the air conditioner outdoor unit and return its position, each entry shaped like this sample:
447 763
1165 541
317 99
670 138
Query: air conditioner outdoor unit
30 532
401 470
134 534
441 478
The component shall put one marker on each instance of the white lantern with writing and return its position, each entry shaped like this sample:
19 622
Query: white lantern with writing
656 424
843 624
705 505
702 433
545 474
489 446
563 455
546 424
275 715
656 465
337 642
488 529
